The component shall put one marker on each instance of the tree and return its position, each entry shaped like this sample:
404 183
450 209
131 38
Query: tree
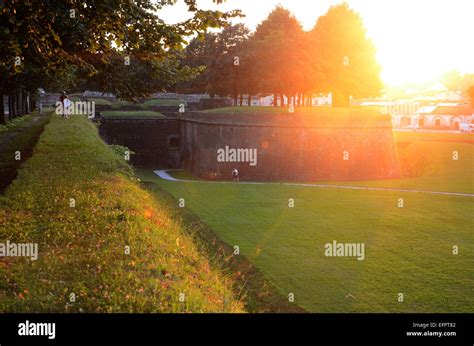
225 59
452 80
280 53
199 54
42 42
229 74
347 56
470 92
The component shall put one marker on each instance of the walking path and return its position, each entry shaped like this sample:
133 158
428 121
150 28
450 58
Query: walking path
164 175
21 137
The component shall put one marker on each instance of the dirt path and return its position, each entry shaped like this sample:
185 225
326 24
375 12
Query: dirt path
163 175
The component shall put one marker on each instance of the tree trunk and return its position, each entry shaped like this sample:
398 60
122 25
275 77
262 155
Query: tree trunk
2 109
235 100
249 100
9 100
32 102
22 102
28 97
275 99
241 99
340 99
17 104
11 105
27 102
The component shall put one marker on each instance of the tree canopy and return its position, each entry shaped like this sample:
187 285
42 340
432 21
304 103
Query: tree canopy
346 56
68 40
125 48
282 59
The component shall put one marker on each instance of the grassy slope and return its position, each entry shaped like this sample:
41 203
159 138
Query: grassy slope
408 249
132 114
276 110
323 116
443 173
165 102
82 249
258 292
100 101
20 135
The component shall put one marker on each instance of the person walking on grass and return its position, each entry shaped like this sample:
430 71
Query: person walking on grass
235 175
65 103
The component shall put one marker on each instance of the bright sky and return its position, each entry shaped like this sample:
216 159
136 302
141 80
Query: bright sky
417 40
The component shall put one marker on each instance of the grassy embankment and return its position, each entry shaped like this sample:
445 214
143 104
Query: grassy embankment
18 137
324 116
408 250
165 102
83 249
147 114
441 162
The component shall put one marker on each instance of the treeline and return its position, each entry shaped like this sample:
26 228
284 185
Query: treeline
282 59
19 102
121 47
124 48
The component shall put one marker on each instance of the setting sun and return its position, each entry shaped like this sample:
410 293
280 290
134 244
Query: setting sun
170 169
416 41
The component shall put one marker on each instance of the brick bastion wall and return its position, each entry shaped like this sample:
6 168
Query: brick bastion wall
289 147
154 142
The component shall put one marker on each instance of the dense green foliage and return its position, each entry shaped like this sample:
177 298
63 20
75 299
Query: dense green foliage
280 58
112 46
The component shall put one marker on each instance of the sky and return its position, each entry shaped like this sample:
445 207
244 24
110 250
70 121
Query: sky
416 40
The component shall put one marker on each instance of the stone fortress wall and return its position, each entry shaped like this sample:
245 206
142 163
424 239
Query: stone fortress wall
287 148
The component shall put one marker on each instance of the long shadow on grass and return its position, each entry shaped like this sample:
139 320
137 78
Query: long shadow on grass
22 139
249 284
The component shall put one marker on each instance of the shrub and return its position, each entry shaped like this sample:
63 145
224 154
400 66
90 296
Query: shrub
413 159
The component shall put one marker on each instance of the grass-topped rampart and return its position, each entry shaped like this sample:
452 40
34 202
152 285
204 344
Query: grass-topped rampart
104 244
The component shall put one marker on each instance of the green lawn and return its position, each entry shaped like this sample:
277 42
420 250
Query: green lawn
100 101
442 172
147 114
285 110
407 250
434 136
324 112
165 102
